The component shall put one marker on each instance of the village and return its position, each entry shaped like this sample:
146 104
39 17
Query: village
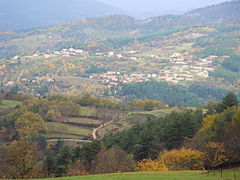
180 68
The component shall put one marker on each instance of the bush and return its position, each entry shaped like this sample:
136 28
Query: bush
183 159
151 165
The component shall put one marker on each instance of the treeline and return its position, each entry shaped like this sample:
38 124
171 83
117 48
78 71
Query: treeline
195 95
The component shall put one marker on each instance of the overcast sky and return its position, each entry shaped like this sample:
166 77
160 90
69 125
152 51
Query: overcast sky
160 5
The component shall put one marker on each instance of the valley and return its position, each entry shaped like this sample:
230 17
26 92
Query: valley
102 95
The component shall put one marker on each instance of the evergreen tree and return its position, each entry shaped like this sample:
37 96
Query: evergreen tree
50 164
230 100
64 158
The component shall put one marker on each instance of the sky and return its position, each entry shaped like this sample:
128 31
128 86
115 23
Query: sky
138 6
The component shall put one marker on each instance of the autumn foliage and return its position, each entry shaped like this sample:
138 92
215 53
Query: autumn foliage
21 161
183 159
151 165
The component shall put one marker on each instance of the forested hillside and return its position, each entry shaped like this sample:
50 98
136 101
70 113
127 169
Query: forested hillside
194 95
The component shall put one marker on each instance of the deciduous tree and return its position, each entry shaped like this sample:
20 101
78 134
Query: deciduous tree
21 161
29 124
114 160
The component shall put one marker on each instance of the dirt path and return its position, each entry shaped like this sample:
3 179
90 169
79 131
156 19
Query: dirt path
73 140
94 133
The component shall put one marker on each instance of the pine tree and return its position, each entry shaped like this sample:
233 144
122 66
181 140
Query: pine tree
230 100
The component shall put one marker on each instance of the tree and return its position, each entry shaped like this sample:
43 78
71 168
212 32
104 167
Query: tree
52 115
63 160
89 153
215 154
230 100
219 137
50 164
56 147
21 161
77 169
29 124
183 159
114 160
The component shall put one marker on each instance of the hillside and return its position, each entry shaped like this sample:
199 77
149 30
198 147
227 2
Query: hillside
102 55
28 14
224 11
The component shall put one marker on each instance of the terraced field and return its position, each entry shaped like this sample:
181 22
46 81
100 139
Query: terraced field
80 127
62 130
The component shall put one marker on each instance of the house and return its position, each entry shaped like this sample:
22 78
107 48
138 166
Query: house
111 54
119 56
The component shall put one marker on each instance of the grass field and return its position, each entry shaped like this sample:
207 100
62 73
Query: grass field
61 130
184 175
6 104
159 112
86 121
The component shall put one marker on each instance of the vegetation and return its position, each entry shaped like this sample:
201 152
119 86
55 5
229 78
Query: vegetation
185 140
195 95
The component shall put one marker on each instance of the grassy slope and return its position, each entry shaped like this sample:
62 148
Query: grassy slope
66 131
54 129
190 175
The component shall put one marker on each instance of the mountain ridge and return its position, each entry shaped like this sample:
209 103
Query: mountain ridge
24 14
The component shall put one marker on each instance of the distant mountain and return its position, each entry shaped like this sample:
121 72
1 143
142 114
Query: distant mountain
225 11
25 14
220 14
162 7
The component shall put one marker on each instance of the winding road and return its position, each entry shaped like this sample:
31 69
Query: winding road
94 134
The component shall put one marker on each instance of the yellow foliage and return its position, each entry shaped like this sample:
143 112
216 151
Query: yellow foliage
208 122
21 161
151 165
215 154
183 159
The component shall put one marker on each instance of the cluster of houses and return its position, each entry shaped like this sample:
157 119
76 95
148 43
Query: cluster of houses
63 53
179 69
36 79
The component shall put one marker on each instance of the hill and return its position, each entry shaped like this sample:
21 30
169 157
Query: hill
100 55
223 11
15 15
